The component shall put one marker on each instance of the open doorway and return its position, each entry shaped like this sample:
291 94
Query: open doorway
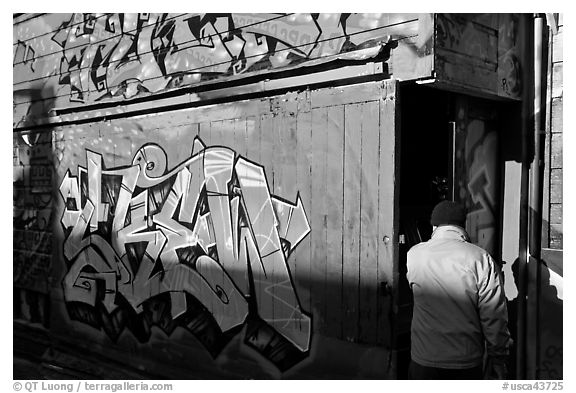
426 176
450 149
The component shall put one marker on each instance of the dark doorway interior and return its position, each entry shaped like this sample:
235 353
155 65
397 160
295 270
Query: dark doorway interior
425 179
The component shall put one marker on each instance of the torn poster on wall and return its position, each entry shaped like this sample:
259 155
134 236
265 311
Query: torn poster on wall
203 246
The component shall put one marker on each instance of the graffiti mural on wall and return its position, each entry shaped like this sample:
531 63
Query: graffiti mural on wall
203 246
477 170
126 54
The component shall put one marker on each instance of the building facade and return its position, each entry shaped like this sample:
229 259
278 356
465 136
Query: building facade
233 195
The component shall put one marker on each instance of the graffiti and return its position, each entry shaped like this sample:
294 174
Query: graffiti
203 245
103 66
511 75
477 174
481 205
24 54
125 55
510 67
32 201
478 186
495 39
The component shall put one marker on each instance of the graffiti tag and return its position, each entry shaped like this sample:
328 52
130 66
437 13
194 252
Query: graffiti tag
206 232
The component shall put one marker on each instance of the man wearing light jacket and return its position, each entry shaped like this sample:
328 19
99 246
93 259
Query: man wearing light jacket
459 304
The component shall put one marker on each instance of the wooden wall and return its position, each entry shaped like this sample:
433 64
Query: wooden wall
480 53
328 155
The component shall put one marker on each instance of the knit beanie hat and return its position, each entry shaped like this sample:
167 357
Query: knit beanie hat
448 213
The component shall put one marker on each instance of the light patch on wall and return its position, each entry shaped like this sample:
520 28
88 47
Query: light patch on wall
557 281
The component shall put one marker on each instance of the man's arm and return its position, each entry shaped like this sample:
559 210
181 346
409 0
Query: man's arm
492 309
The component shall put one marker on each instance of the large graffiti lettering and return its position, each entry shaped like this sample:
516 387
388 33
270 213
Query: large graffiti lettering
109 55
203 245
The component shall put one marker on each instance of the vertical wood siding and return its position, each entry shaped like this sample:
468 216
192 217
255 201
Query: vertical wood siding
333 150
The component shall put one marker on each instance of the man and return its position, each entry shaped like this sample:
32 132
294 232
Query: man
459 303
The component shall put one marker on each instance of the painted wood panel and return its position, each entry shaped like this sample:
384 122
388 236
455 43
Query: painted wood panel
352 197
303 254
481 52
369 191
285 211
319 216
334 219
388 219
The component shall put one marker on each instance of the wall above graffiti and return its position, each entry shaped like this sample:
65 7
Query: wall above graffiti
81 59
203 246
89 58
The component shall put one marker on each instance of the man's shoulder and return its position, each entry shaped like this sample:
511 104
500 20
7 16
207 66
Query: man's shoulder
473 248
417 247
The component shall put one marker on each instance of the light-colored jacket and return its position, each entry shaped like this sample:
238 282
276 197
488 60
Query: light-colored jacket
459 302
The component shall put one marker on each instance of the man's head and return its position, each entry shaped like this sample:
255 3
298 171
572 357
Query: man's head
448 213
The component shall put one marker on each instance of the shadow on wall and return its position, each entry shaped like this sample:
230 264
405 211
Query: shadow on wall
545 309
549 302
32 215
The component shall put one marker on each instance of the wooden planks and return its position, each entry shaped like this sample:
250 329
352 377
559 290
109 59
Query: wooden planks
303 253
267 162
318 218
344 95
336 148
204 133
239 144
351 230
284 173
286 186
335 219
369 189
388 220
